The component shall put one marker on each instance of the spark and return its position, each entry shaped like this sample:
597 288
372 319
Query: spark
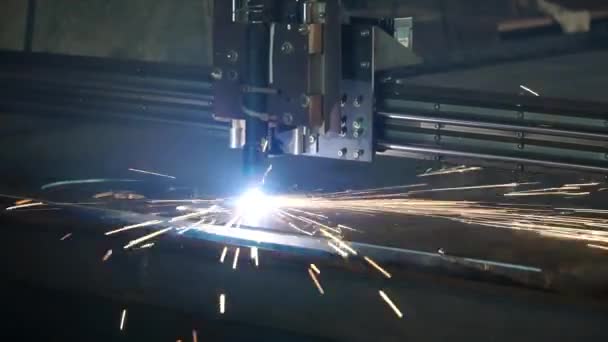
107 255
194 335
148 245
474 187
23 201
316 281
300 229
391 304
103 194
367 191
66 236
139 225
222 303
193 201
340 243
594 211
376 266
151 173
583 184
192 215
446 171
597 246
123 317
309 213
86 181
528 90
147 237
223 255
546 193
337 249
347 228
27 205
236 258
315 268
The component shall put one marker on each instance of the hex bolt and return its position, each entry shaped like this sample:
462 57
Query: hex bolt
342 152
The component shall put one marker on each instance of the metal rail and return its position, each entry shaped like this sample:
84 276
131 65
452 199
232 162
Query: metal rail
413 120
389 149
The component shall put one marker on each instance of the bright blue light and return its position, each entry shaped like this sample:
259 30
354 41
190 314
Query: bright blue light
253 205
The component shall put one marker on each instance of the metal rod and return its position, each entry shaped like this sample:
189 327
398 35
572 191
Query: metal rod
480 124
382 145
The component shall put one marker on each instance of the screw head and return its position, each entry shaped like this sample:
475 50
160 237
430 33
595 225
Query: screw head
233 75
365 33
232 56
520 146
357 123
357 154
357 133
312 139
437 106
343 131
365 65
341 152
287 118
286 48
358 101
303 29
343 100
304 101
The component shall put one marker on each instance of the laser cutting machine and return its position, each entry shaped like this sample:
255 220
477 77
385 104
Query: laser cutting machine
305 78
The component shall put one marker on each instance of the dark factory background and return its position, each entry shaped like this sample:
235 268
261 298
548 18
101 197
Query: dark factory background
479 45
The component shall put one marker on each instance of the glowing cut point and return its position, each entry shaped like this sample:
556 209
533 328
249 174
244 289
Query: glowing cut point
253 205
